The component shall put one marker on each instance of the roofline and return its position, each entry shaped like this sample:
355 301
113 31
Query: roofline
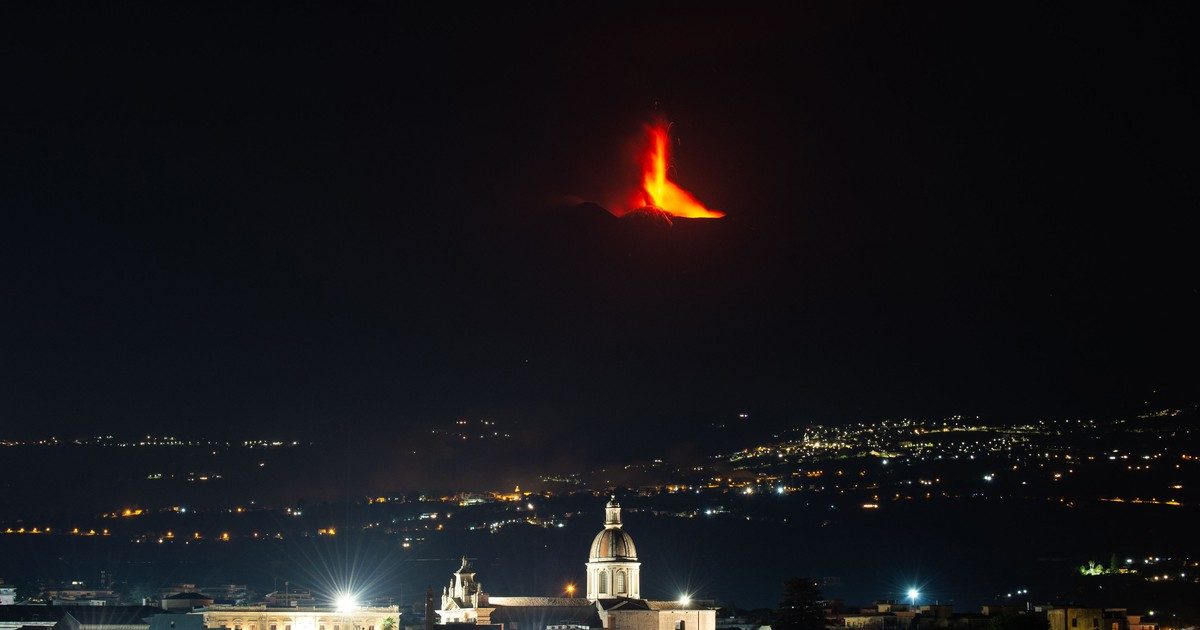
320 609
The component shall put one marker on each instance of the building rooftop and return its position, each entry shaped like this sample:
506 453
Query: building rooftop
321 609
628 603
539 601
86 615
542 616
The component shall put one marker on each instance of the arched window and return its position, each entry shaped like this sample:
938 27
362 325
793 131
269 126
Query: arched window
620 583
604 582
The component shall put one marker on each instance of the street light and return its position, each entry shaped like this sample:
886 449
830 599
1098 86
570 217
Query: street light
346 603
913 594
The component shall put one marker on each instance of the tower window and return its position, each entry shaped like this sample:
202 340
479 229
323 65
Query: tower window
679 624
620 583
604 582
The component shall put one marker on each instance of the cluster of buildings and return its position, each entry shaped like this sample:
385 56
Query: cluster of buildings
612 596
1097 619
195 611
611 601
172 598
887 615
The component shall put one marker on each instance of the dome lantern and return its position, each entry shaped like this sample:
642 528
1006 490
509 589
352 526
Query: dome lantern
612 513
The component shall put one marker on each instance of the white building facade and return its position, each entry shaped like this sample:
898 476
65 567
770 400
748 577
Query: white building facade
311 618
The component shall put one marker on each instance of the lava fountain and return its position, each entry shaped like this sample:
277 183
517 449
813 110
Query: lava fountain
658 194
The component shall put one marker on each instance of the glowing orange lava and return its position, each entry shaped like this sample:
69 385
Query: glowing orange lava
658 191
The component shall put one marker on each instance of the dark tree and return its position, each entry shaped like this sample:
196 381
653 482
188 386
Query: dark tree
1019 621
801 607
137 594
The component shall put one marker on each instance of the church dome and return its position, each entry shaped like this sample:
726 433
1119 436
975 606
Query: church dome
613 544
613 569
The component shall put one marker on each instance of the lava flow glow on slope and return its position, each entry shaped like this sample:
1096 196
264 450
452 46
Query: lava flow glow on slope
658 191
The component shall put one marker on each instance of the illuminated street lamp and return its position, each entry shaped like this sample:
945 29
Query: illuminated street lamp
570 590
913 594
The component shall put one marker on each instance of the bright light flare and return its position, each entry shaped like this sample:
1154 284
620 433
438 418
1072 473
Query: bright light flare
658 191
685 599
346 602
913 594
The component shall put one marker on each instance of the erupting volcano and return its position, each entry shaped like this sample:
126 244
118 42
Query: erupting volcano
646 192
659 195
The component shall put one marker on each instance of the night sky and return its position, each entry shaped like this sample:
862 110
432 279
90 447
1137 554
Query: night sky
255 221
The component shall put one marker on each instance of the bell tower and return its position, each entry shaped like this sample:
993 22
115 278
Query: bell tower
463 587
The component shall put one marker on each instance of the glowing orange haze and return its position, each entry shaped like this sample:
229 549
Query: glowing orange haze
658 191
